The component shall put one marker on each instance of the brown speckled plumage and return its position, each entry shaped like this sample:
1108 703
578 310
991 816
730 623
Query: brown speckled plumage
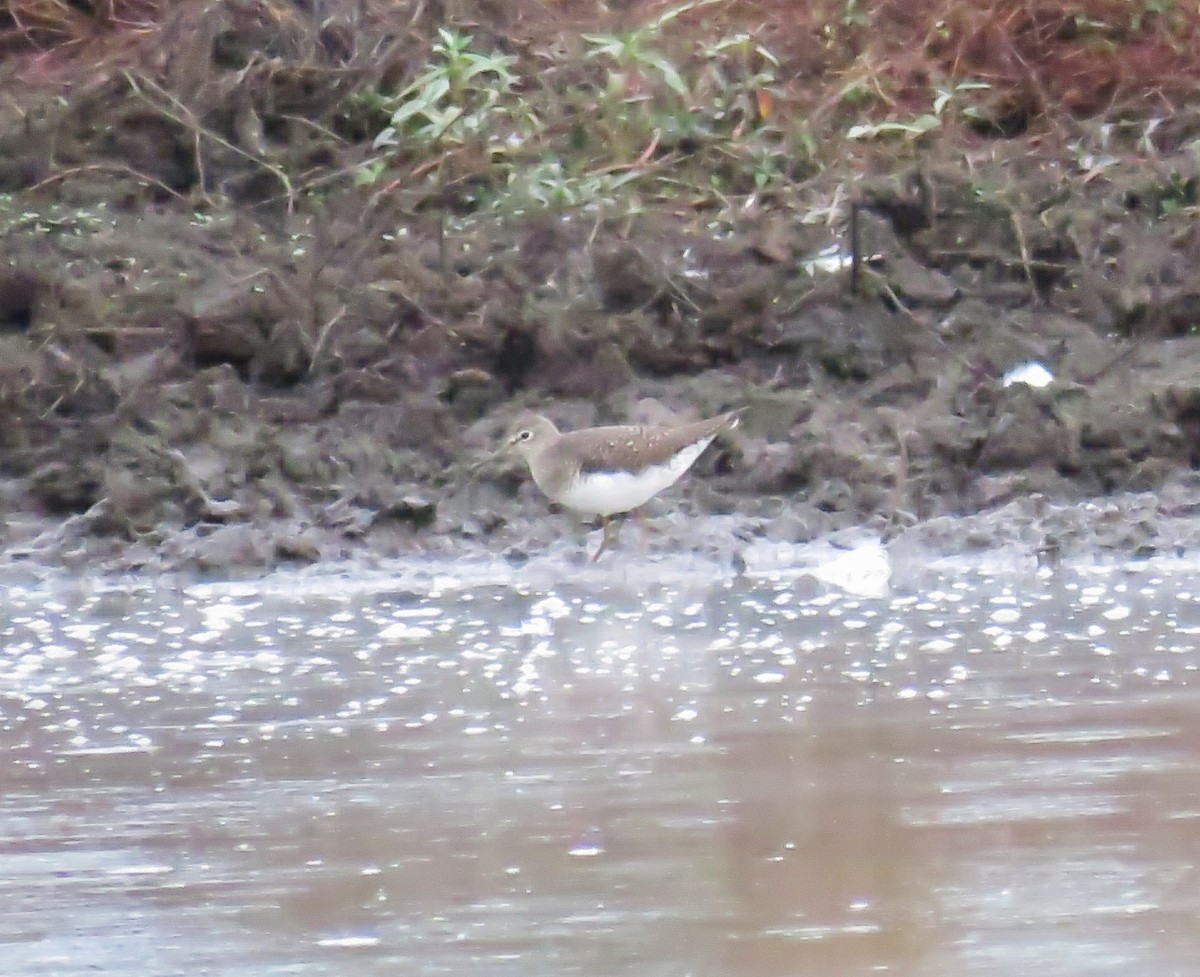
556 459
606 470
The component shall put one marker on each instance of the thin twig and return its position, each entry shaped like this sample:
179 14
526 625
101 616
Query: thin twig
897 515
890 292
855 248
1087 379
105 168
323 337
1023 246
184 116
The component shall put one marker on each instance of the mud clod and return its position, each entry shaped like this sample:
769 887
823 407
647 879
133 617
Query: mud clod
20 292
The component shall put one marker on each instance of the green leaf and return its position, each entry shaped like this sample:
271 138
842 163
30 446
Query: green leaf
610 47
386 137
424 101
452 42
497 66
917 127
925 123
443 122
619 180
670 75
369 173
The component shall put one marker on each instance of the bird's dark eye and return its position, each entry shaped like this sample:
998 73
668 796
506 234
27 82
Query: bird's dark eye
524 435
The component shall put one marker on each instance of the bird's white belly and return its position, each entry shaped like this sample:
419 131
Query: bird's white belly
605 493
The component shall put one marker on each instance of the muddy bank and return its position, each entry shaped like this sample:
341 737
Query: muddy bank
210 364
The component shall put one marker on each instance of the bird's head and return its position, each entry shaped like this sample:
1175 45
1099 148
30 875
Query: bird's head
529 435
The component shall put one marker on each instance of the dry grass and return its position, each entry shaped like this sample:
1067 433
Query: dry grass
1041 58
264 86
43 24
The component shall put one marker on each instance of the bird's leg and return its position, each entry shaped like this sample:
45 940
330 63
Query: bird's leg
610 535
641 521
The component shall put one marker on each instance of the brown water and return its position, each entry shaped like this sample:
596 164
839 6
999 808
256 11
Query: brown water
998 775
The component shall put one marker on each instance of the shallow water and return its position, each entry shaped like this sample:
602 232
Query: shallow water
996 774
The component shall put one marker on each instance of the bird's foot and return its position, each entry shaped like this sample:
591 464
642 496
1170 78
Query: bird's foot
611 529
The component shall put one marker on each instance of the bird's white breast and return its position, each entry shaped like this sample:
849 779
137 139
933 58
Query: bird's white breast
605 493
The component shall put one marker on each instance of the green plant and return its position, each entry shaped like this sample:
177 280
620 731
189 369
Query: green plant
944 97
650 104
766 166
634 54
547 186
642 84
841 21
739 80
854 14
456 96
1150 9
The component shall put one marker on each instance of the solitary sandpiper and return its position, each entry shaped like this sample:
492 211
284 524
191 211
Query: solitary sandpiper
600 471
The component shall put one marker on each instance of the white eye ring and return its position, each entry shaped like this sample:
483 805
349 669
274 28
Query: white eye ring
524 435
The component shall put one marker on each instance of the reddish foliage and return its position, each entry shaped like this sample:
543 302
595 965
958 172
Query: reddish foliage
1044 56
1040 57
1081 57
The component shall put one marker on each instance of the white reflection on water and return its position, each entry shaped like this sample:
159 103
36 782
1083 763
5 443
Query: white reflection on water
994 775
